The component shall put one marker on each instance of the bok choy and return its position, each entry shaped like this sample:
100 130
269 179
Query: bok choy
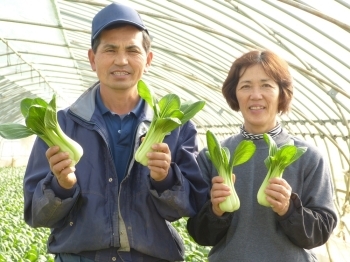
169 113
277 160
224 163
41 120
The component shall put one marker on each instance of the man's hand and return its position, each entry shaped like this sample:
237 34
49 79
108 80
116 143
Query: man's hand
159 161
59 165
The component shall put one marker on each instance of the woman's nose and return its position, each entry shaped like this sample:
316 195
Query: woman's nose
255 93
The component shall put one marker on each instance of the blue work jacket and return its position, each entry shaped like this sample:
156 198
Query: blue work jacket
96 214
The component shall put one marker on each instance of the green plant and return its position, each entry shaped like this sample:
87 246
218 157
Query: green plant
224 163
18 241
193 251
41 119
278 159
169 113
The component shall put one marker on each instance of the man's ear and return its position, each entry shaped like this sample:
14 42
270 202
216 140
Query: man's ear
91 56
149 61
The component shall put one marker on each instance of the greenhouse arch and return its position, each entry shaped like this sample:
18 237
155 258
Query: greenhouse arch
44 43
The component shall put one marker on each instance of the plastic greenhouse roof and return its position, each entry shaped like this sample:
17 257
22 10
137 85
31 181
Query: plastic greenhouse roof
44 43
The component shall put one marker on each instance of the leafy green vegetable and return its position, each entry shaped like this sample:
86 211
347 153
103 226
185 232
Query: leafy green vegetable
169 114
19 242
224 163
41 120
276 162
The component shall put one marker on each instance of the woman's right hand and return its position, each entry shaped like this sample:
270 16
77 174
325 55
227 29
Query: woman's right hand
218 193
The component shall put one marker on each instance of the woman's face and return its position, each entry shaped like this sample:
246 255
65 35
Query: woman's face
258 97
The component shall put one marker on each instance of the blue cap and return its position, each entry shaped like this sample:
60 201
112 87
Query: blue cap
115 14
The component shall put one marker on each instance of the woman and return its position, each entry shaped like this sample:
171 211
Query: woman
302 215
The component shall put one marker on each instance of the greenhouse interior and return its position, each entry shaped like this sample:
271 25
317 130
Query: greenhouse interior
44 51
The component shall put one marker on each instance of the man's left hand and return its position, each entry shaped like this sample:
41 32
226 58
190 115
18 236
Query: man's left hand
159 161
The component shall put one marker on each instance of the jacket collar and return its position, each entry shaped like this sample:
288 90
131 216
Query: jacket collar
85 106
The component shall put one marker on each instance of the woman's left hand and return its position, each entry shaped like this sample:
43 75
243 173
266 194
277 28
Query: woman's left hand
278 194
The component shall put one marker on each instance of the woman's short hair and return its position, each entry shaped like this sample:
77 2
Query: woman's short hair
273 65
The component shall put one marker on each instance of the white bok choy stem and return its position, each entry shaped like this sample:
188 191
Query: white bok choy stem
41 120
224 163
278 159
169 113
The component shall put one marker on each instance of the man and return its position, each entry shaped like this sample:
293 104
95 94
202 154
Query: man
109 207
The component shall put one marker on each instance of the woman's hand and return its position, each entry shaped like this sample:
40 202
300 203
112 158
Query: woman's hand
219 193
278 194
59 165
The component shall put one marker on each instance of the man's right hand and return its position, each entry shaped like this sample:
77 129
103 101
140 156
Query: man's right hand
60 167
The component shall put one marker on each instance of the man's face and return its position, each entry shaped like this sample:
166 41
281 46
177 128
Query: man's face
120 59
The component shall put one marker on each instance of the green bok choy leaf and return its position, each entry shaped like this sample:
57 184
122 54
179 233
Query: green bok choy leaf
169 113
277 160
224 163
41 120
